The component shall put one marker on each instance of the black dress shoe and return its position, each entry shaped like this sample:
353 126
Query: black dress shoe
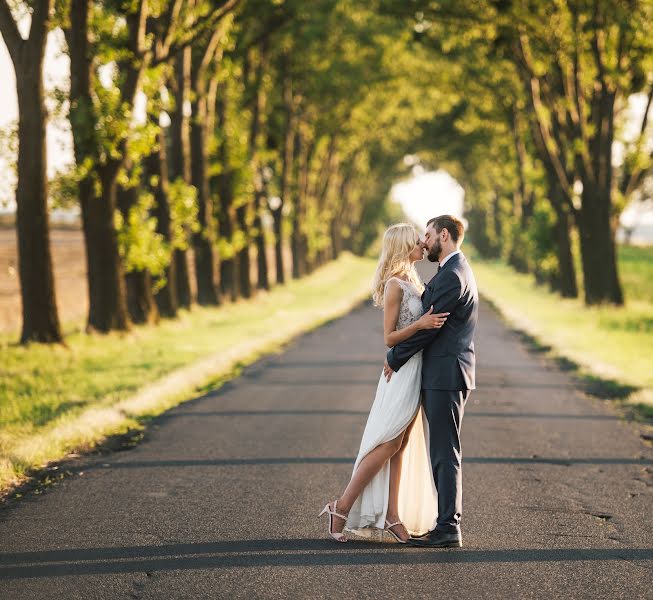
423 535
437 539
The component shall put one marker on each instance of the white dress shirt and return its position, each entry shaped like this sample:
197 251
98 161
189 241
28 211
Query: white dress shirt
447 257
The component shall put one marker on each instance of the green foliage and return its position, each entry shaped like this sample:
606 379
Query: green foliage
541 243
515 72
182 199
141 247
64 185
637 271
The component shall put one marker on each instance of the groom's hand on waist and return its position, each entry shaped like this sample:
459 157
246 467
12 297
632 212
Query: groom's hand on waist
387 371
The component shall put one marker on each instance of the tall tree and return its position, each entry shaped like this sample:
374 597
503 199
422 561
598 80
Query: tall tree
223 183
577 75
180 161
131 38
258 107
107 293
202 57
286 166
39 306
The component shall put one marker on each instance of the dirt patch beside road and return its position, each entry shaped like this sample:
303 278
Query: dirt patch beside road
69 273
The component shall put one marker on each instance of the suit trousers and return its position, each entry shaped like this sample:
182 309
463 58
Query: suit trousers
444 412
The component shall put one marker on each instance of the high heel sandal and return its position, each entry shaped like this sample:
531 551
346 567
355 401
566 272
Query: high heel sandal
388 527
339 537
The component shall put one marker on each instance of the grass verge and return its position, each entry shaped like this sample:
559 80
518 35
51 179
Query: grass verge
55 401
609 349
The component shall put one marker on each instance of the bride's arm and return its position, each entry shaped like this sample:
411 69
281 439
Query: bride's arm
391 304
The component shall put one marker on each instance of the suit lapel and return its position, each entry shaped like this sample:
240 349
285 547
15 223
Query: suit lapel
454 260
427 296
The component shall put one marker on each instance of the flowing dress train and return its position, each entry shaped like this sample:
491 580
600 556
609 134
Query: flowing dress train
396 404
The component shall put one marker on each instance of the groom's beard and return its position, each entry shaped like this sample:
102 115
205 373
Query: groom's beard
434 252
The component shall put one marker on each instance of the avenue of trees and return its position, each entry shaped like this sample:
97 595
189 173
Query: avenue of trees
267 121
537 127
285 122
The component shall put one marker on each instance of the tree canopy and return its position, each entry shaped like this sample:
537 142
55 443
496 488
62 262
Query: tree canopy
283 123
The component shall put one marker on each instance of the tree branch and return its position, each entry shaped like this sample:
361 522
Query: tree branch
549 144
271 27
198 74
40 21
548 164
10 33
597 46
170 27
133 67
630 181
173 48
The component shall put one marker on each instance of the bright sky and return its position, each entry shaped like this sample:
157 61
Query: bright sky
59 141
427 195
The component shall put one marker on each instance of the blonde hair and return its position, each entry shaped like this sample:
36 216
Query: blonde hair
398 242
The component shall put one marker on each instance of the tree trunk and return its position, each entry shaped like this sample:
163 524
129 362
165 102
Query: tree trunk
565 281
156 175
106 287
298 237
228 283
108 303
595 218
336 223
263 278
258 108
39 306
336 239
107 293
304 180
244 265
204 265
224 188
496 215
295 242
277 226
179 165
140 298
183 279
286 170
598 248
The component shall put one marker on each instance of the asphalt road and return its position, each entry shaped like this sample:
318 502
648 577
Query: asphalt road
220 500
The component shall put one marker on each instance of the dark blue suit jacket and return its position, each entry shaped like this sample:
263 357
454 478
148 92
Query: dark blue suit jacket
449 362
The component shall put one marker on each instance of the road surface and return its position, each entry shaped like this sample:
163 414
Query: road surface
220 499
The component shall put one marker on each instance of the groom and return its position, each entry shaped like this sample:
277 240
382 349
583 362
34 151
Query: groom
447 370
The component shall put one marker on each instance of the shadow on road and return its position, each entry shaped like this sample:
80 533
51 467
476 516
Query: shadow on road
267 413
265 553
325 460
301 412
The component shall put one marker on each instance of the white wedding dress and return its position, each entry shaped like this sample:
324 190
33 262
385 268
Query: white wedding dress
395 405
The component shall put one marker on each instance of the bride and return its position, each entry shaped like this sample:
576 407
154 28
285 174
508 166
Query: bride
392 487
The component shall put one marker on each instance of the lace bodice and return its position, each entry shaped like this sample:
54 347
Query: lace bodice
411 303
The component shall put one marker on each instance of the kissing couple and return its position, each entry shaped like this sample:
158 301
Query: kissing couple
407 478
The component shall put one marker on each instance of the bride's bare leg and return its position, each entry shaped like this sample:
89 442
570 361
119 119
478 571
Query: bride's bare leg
392 516
364 473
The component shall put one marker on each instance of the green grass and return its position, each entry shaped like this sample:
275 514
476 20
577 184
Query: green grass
612 347
636 269
57 400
